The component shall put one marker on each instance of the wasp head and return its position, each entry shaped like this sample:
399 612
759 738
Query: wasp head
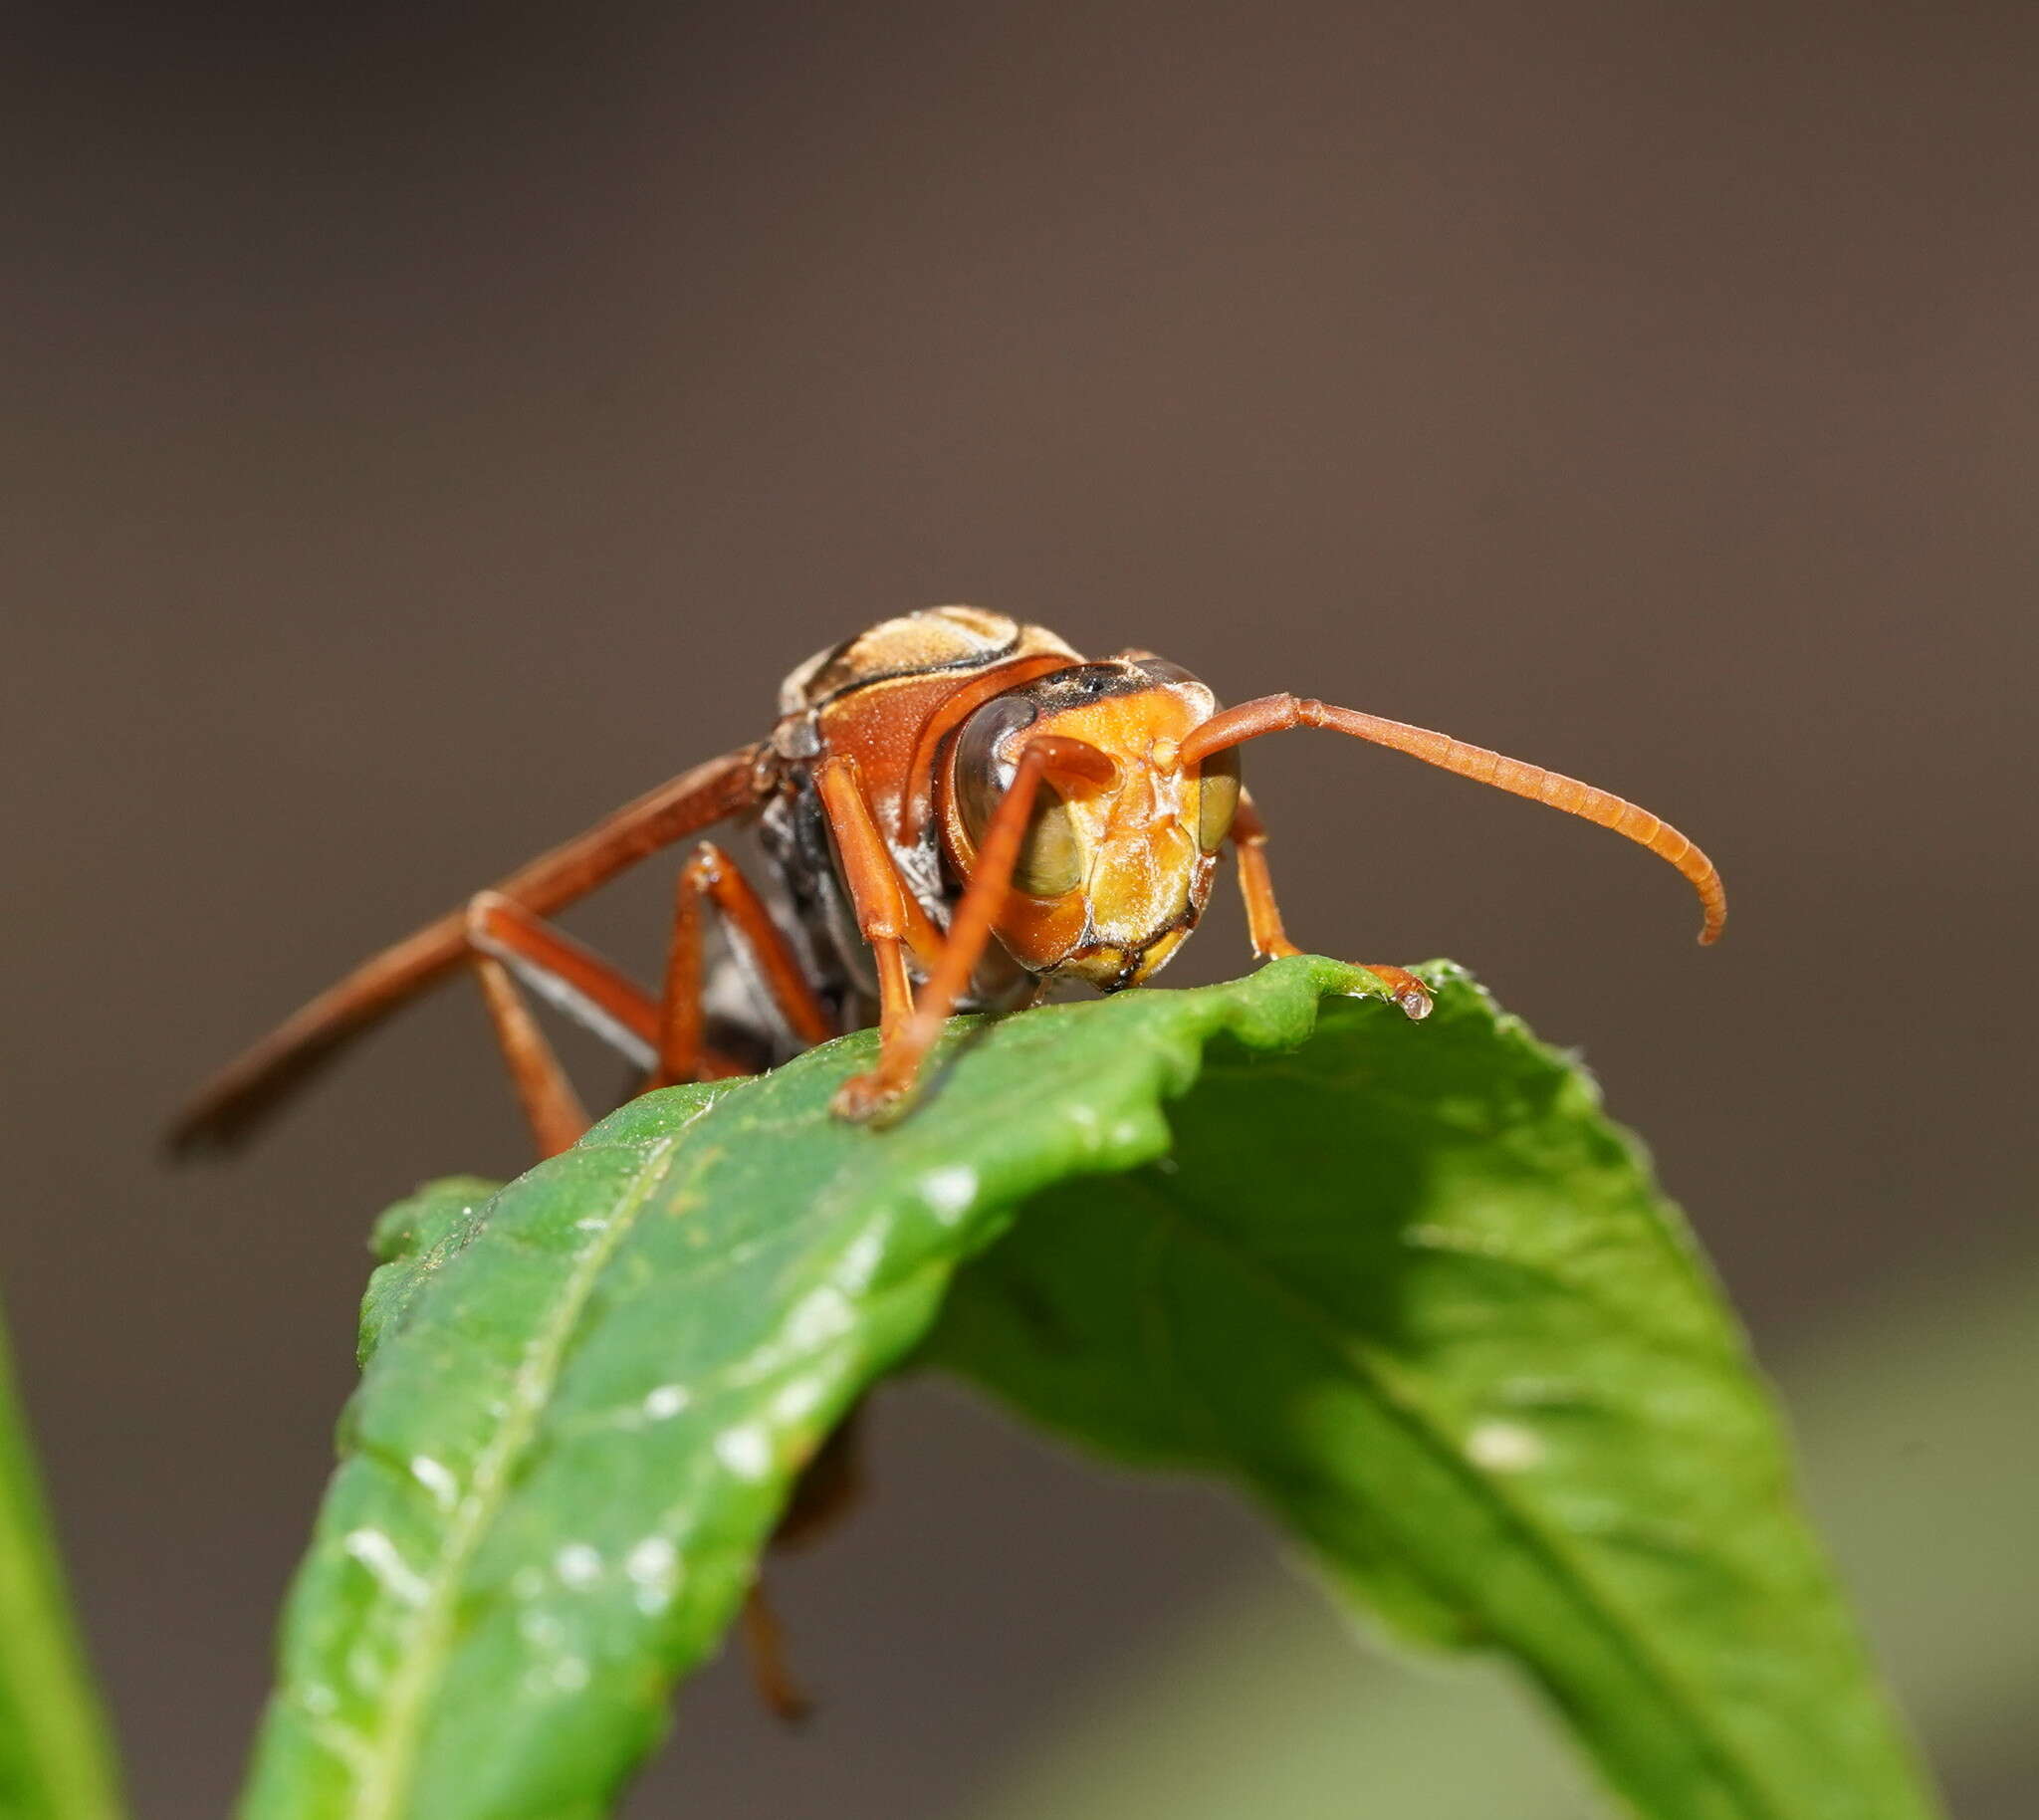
1115 863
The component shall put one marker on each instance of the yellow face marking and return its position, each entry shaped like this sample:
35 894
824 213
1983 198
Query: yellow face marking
1143 875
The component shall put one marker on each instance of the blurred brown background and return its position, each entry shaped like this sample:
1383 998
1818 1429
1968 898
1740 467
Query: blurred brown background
427 426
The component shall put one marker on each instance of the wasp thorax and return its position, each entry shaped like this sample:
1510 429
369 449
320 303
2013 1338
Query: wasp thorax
1114 863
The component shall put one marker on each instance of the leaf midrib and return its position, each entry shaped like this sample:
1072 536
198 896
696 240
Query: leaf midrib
387 1786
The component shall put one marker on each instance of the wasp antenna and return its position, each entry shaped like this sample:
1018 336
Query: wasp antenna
1277 713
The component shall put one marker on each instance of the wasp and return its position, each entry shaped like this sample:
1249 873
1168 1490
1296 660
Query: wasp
955 811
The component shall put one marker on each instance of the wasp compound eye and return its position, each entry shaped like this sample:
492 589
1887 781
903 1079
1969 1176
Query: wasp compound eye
1051 860
1216 798
985 757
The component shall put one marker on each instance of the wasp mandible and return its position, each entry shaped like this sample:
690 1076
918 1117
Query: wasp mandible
957 811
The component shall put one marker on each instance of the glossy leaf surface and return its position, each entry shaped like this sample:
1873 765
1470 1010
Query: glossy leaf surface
1404 1282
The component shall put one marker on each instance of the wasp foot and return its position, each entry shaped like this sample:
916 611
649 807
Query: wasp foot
870 1100
1409 994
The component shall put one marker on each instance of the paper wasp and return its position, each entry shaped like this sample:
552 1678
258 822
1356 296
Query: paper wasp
957 811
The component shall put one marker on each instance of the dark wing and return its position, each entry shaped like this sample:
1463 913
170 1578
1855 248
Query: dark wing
243 1094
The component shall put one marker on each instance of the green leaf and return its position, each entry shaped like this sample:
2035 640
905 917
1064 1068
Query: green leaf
1405 1284
54 1760
1414 1292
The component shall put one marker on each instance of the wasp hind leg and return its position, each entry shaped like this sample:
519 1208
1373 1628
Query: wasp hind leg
551 1107
828 1486
1264 916
511 949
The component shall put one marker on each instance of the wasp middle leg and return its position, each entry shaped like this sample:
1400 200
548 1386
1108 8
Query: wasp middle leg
711 880
1263 915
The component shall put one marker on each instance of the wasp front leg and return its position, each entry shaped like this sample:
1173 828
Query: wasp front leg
1264 916
882 907
910 1025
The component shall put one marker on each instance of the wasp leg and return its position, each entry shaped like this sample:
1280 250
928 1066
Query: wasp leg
551 1107
909 1031
880 902
829 1487
711 879
508 944
1255 885
765 1647
506 937
575 980
826 1490
1263 915
511 947
238 1098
